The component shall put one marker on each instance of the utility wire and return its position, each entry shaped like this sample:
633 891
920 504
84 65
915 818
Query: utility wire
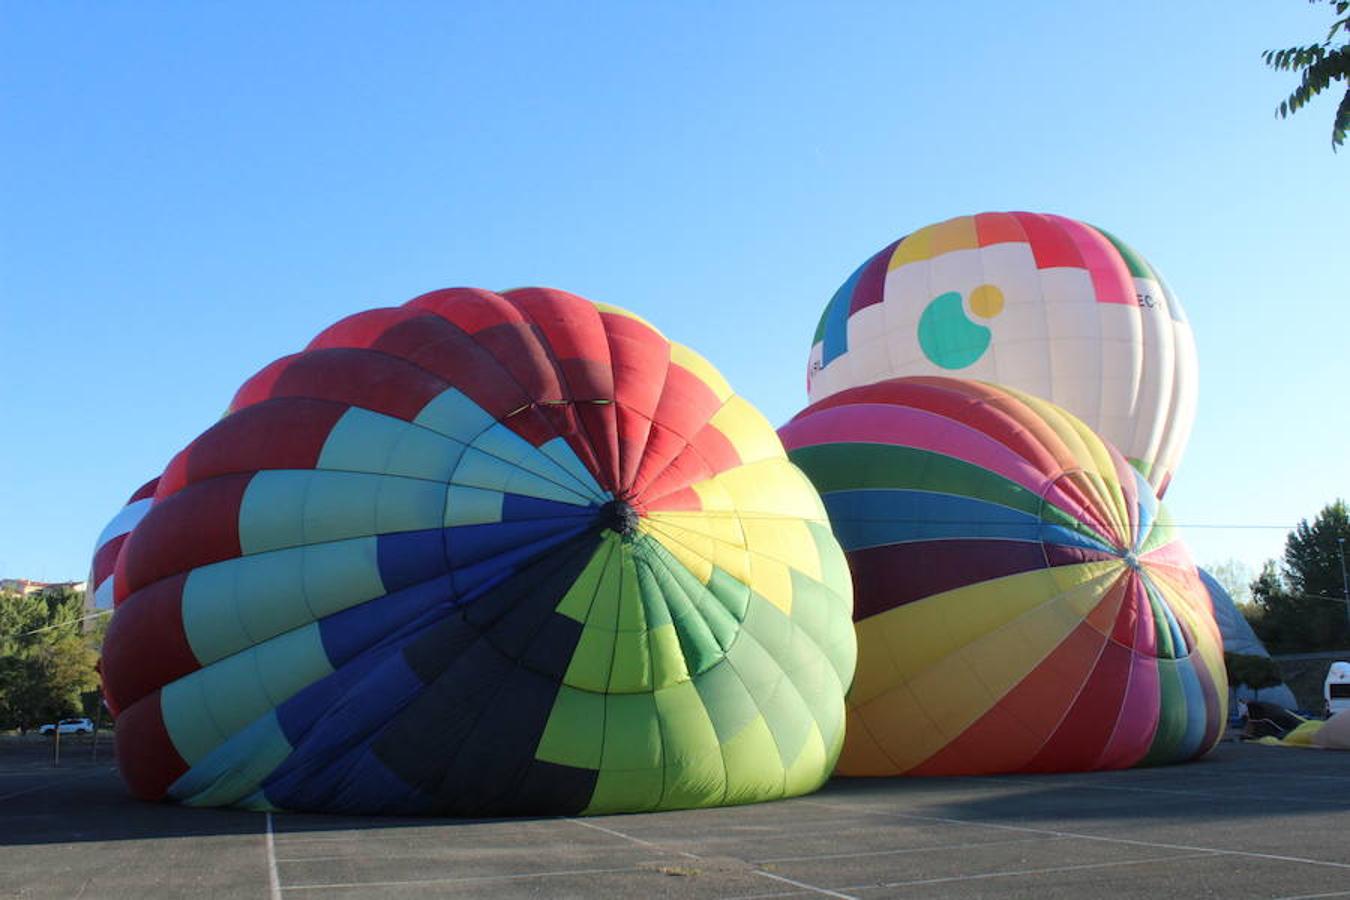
94 615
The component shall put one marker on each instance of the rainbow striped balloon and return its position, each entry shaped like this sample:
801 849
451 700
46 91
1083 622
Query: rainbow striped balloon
481 554
1022 601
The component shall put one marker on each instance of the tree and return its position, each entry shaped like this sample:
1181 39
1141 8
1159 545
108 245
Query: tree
1235 577
1301 602
46 658
1321 64
1256 672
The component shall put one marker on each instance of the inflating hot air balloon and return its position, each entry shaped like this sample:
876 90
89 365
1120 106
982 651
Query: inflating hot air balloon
1022 602
481 554
1040 303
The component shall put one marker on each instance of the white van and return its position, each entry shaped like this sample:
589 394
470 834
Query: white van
1336 690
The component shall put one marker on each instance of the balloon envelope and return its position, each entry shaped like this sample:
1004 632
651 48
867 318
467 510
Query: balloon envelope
1022 601
1238 637
1041 303
481 554
110 542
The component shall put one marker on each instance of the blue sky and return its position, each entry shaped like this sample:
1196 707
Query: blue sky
188 191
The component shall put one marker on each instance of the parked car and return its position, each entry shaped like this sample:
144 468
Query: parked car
68 726
1336 689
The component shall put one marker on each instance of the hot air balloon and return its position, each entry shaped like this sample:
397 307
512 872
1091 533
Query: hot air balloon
1041 303
481 554
1022 601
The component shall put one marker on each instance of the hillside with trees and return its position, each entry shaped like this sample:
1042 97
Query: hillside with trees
48 653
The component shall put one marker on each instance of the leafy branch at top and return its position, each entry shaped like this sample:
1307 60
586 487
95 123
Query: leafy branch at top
1321 65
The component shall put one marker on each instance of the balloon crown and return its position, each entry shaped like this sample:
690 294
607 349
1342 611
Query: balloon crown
619 517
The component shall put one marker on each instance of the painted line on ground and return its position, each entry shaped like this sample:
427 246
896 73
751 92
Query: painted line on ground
933 849
273 879
1097 837
473 879
1316 896
754 869
635 840
801 884
49 784
1016 873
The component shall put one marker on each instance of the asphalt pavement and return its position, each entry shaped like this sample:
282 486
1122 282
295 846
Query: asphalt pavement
1248 821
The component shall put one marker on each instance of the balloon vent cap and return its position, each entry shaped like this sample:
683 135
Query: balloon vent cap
620 518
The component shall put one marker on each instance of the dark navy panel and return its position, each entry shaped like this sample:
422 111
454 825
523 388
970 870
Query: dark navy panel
548 788
517 508
330 767
411 557
487 775
550 652
466 545
347 633
371 788
494 667
421 742
471 581
529 595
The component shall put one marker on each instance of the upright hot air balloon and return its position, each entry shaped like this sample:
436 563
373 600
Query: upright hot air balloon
1022 601
481 554
1041 303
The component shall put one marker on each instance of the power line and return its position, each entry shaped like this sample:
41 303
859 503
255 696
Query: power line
93 615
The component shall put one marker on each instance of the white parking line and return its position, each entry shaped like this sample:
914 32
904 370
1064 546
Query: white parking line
1093 837
273 879
932 849
1015 873
754 869
477 879
635 840
801 884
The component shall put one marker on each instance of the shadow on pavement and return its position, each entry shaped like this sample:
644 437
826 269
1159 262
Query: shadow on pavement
85 801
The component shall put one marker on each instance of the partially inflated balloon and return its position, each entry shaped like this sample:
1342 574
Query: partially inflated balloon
1022 601
481 554
1040 303
1239 638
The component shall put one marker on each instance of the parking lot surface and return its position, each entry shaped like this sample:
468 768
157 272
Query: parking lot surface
1248 821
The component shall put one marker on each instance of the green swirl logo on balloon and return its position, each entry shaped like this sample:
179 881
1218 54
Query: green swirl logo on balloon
948 336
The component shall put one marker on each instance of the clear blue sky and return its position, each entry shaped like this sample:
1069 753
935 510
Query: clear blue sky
190 190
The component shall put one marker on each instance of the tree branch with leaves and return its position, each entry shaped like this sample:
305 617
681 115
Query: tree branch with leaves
1321 65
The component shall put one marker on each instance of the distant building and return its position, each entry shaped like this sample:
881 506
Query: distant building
25 588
